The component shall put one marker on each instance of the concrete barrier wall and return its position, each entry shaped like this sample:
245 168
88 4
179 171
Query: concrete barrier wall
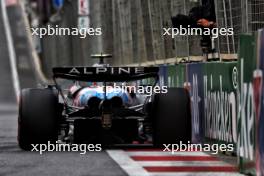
246 118
258 90
212 88
227 101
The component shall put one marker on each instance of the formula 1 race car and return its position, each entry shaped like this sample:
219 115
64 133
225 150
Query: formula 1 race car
52 114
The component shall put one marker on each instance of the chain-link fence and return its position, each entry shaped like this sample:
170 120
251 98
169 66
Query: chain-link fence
185 46
244 16
138 28
132 30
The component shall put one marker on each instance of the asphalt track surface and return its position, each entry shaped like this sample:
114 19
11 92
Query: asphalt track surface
16 162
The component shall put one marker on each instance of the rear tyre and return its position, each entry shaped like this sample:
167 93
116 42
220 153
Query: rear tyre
38 117
171 117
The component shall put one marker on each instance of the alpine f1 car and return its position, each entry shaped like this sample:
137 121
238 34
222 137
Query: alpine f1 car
85 111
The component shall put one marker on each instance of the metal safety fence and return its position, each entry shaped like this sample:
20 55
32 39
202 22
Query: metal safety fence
149 17
244 16
132 31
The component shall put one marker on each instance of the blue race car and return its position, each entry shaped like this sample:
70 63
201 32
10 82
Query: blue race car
102 113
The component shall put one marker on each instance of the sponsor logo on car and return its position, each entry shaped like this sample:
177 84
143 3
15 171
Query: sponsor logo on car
107 70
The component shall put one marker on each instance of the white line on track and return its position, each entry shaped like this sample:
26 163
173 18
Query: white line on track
11 50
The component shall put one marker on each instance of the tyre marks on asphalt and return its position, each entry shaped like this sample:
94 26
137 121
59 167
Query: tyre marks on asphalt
155 162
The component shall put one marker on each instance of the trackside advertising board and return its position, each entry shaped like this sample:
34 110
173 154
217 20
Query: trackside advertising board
172 76
260 110
196 87
246 118
163 75
213 101
180 75
259 102
219 96
212 87
227 101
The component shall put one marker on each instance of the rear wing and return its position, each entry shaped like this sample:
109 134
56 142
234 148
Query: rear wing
105 74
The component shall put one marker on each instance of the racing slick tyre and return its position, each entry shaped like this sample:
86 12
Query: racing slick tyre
38 117
171 117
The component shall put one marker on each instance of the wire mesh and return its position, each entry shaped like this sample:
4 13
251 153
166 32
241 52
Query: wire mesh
244 16
185 46
137 28
255 14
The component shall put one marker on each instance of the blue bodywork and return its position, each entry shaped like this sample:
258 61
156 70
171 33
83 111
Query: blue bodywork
86 93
